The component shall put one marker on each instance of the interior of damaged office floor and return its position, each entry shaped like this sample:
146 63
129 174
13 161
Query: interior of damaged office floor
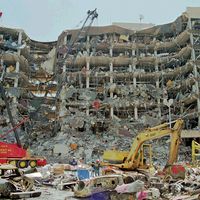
102 113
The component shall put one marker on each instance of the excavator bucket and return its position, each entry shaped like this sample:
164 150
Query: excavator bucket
175 171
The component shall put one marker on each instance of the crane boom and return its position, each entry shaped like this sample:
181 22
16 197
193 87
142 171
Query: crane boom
90 15
4 97
14 152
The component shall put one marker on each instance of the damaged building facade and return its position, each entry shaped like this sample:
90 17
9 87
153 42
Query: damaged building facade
120 74
29 86
110 83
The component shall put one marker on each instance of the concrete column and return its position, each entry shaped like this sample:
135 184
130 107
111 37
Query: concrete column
19 41
134 78
133 52
65 40
111 51
157 83
16 80
64 77
87 72
111 112
136 112
111 71
134 62
20 37
130 68
87 111
88 44
133 47
87 80
111 47
64 68
17 71
111 93
193 58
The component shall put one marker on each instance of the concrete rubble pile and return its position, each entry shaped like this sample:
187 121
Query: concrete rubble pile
98 95
110 85
122 185
15 184
134 185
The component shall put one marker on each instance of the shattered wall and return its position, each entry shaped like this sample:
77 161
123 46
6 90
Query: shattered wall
30 88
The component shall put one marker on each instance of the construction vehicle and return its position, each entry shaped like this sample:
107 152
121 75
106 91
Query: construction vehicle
135 158
14 153
195 153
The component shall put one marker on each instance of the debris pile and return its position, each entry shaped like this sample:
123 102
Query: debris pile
121 185
99 93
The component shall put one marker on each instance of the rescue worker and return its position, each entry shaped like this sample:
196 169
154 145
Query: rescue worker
95 168
73 162
93 128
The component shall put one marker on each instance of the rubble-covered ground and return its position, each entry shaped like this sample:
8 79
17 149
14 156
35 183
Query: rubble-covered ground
99 95
104 91
54 194
111 85
63 183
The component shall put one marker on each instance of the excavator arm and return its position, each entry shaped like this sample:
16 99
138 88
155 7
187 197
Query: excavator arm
175 141
131 162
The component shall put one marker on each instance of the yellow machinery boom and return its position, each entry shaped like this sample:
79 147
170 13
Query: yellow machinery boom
135 157
195 152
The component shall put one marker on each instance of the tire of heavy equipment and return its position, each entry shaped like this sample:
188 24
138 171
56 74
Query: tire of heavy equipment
13 162
32 163
22 164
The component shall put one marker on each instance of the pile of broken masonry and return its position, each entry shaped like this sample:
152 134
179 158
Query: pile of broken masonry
121 185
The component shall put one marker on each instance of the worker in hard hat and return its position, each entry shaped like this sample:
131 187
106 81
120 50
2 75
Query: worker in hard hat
73 162
96 168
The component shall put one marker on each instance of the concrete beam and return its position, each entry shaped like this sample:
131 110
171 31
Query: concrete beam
190 134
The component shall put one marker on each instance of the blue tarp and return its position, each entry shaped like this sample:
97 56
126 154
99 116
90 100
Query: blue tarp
83 174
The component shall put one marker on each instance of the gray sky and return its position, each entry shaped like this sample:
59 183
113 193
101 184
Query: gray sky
44 20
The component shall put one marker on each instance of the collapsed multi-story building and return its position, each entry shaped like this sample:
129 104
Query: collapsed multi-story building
113 80
134 74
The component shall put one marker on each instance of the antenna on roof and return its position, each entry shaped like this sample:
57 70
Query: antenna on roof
141 17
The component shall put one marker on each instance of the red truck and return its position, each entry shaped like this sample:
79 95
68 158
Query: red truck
15 155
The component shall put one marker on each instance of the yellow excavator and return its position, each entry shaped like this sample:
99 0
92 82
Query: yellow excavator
135 158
